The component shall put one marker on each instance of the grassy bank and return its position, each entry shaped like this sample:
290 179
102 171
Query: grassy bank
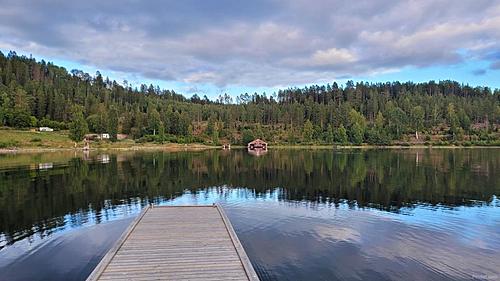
33 141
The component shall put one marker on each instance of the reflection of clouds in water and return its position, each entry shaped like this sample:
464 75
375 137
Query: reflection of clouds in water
45 166
426 249
352 242
338 234
71 253
305 239
68 222
103 158
436 237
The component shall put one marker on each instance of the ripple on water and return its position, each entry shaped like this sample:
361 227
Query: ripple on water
301 215
285 237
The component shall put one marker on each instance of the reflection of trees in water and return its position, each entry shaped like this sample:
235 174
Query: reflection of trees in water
34 201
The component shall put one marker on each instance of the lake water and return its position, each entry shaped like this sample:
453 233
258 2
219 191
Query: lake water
409 214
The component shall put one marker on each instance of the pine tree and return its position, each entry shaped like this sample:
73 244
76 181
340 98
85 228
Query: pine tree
113 123
341 135
31 89
215 135
330 134
154 121
356 133
247 136
308 131
417 119
78 127
379 121
453 121
210 126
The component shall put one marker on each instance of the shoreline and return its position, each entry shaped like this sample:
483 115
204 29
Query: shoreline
168 147
379 146
173 147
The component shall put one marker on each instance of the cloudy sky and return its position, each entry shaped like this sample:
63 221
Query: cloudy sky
205 47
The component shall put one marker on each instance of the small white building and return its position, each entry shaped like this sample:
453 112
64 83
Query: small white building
104 136
45 129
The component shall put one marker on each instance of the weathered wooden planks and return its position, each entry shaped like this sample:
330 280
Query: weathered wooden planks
177 243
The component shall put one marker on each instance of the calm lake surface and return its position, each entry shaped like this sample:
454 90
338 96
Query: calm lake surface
409 214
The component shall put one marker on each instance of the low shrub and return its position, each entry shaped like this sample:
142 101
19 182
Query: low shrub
167 138
8 144
441 143
52 124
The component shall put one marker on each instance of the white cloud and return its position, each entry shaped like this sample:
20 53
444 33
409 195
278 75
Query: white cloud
333 56
262 43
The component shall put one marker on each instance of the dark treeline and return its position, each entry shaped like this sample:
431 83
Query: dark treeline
42 94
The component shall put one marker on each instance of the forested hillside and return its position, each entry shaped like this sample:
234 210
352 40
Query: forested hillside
37 93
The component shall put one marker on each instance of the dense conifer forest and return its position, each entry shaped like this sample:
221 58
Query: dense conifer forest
38 93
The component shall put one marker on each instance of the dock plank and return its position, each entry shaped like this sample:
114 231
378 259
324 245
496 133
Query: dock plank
177 243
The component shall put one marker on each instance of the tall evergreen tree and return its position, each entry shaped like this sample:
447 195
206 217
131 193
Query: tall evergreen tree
417 119
154 121
308 131
341 135
330 134
30 90
113 123
78 127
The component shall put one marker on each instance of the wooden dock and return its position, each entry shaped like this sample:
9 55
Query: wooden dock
177 243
